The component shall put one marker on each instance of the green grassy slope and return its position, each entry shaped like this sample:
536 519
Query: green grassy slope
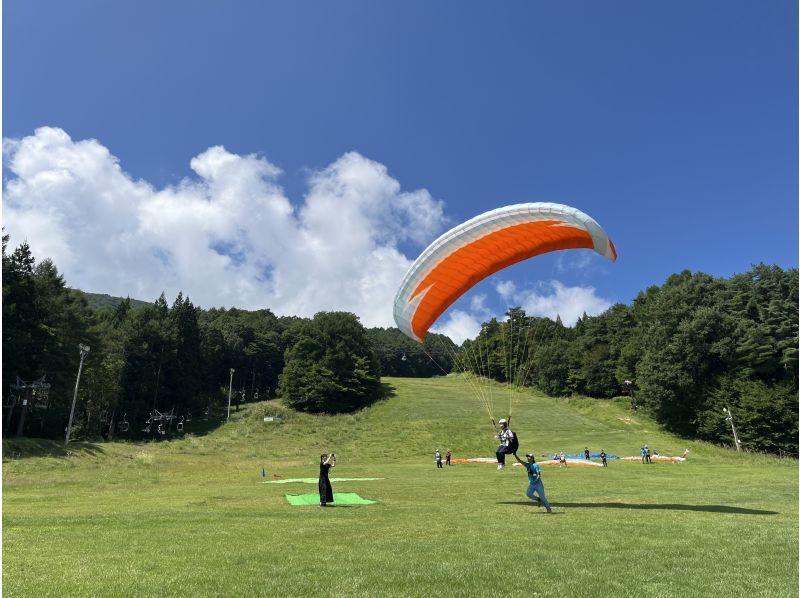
190 516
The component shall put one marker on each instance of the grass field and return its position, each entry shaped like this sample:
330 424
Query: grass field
191 517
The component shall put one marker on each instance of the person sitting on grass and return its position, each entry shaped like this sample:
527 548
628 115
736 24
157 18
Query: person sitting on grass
535 484
325 489
508 444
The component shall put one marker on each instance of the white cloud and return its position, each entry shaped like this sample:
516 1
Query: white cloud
575 260
477 305
553 299
459 326
506 289
228 236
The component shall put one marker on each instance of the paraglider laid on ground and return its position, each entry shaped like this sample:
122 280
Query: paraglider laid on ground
575 459
656 458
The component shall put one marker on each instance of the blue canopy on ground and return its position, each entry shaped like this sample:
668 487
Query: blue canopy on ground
583 456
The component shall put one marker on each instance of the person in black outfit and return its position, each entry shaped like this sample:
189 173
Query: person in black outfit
325 489
603 457
586 454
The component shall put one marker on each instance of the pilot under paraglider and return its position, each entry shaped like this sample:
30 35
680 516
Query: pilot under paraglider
508 443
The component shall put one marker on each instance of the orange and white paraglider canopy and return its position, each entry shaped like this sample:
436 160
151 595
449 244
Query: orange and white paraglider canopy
470 252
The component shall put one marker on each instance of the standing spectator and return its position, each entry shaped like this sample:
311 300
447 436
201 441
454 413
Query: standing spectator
562 460
325 489
438 457
603 458
644 455
647 454
447 456
535 484
586 454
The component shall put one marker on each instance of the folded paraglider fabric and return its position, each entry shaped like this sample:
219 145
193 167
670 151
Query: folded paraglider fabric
339 498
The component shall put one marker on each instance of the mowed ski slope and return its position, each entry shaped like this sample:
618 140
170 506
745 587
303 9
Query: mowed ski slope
191 516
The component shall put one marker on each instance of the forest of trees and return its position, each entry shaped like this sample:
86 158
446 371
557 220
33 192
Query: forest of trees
687 349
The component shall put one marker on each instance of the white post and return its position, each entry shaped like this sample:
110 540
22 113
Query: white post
84 349
230 389
729 417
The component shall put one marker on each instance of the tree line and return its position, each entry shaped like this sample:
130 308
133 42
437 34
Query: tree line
176 358
682 350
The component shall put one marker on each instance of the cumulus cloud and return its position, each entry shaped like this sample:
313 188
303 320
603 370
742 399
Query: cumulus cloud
459 325
228 236
553 298
506 289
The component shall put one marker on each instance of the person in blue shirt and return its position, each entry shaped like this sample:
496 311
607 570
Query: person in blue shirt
535 484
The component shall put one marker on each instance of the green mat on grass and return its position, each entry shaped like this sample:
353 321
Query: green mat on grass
315 480
339 498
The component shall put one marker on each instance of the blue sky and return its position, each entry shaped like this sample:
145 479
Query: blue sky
299 155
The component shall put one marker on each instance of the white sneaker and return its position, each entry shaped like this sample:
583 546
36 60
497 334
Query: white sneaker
500 466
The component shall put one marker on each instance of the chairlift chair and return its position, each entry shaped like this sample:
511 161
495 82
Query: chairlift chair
123 425
179 427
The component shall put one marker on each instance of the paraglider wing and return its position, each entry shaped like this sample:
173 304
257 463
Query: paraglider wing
470 252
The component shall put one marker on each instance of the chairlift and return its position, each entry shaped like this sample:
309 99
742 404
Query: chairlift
161 429
179 427
123 425
403 358
188 416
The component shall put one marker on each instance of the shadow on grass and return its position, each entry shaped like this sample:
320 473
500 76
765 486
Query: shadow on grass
21 448
646 507
387 390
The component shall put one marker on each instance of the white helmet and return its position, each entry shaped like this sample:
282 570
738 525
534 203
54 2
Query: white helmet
502 422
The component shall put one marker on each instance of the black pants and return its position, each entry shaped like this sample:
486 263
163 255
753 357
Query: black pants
502 451
438 463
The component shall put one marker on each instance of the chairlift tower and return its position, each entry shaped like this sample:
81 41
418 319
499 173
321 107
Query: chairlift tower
230 390
25 400
84 350
729 419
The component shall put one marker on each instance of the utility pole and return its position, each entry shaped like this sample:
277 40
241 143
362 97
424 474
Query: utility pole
84 349
729 418
230 389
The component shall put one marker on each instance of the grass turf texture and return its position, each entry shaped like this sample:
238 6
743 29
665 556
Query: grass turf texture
189 516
